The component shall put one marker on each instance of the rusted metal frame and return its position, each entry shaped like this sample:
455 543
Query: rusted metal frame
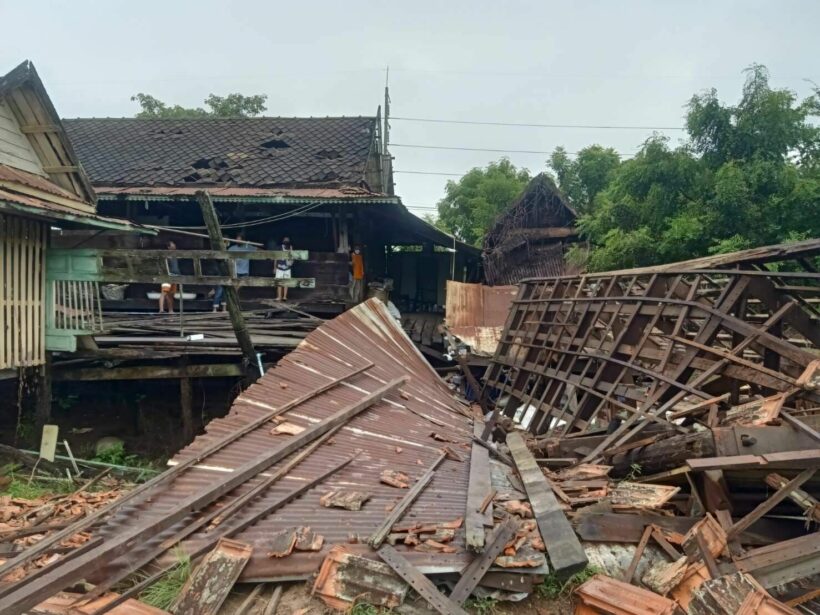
620 438
471 576
768 340
740 312
536 328
763 289
587 408
614 281
218 514
611 325
630 409
423 586
378 536
638 368
514 315
590 329
638 349
679 322
775 499
723 354
561 325
550 351
213 538
175 471
729 296
26 597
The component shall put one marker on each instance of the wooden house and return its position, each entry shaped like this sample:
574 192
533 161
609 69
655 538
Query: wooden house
326 183
531 237
44 305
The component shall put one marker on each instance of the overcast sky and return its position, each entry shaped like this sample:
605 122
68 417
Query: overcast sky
624 63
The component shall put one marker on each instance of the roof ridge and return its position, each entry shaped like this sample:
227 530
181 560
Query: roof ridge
212 118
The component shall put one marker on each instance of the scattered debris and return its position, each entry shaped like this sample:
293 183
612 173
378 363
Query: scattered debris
341 498
396 479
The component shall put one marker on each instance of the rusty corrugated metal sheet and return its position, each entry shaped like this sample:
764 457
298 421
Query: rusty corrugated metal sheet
476 313
393 434
10 174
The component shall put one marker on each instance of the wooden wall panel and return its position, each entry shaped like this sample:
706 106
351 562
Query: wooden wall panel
22 292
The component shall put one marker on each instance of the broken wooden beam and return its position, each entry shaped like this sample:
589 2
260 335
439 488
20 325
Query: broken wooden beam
471 576
378 537
763 508
478 489
423 586
798 496
563 547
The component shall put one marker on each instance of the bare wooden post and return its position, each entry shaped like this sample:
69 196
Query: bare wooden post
231 296
42 393
186 395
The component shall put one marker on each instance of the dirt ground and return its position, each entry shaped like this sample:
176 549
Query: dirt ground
296 600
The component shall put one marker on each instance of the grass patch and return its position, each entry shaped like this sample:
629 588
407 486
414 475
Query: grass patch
482 606
552 588
363 608
162 594
20 488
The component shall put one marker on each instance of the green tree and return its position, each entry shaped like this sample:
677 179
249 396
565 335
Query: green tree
471 205
581 180
232 105
749 175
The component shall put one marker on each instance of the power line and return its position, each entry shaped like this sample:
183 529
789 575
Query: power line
486 149
522 125
429 173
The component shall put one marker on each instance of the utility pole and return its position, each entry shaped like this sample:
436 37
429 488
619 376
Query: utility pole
231 296
386 161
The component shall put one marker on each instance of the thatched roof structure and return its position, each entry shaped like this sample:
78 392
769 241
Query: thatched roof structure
529 238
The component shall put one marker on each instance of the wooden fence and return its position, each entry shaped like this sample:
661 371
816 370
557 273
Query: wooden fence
22 292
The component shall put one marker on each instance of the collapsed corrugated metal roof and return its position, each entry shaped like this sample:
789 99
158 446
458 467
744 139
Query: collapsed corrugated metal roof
403 430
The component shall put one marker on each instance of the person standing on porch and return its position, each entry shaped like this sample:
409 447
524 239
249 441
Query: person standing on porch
282 270
167 289
357 280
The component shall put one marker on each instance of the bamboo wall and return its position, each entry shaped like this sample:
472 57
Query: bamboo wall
22 292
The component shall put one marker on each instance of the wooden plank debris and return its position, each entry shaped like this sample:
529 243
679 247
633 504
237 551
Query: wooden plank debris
563 547
471 576
478 490
378 536
770 503
419 582
804 500
211 582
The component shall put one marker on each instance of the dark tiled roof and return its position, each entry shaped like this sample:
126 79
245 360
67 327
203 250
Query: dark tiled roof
253 152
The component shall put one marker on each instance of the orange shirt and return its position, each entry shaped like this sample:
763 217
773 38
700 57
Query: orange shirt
358 266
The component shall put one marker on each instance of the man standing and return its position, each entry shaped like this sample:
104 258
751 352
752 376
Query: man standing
282 270
241 266
357 268
167 289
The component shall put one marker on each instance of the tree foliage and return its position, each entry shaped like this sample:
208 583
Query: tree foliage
232 105
748 175
472 204
580 180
